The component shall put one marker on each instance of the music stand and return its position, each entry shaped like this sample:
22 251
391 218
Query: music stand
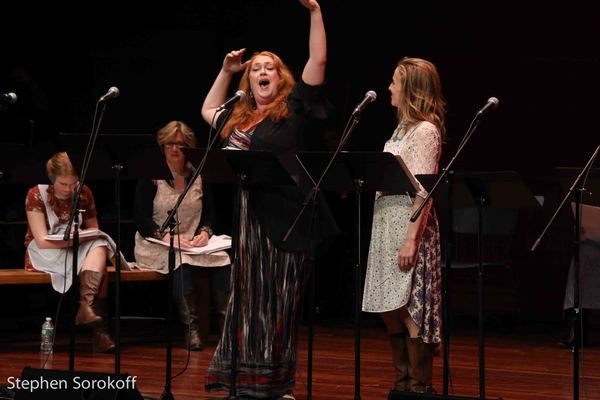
217 169
17 166
130 157
246 169
359 172
566 176
491 189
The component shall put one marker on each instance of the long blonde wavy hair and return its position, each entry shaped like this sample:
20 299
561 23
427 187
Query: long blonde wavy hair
245 110
421 96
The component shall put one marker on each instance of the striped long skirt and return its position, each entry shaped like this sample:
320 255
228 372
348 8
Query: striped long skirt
270 287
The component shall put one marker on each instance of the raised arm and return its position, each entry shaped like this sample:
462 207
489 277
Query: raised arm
217 94
314 70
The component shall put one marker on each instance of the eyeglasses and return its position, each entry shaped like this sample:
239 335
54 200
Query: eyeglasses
175 146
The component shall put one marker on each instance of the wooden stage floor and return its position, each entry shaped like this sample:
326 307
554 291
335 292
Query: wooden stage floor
521 363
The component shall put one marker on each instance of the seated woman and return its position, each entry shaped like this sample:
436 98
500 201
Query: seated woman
589 296
48 209
153 202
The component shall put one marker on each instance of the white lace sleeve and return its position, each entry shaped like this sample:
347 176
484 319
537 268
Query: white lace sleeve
421 151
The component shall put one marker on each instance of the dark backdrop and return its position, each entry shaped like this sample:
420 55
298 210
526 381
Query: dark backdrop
540 59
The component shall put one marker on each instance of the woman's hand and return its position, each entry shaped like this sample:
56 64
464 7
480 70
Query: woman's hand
406 254
200 239
233 61
310 4
179 241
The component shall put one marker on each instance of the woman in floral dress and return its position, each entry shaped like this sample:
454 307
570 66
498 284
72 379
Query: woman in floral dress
403 280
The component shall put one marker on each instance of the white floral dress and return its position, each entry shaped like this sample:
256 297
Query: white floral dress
386 287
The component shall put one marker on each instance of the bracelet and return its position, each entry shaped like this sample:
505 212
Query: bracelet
208 230
156 234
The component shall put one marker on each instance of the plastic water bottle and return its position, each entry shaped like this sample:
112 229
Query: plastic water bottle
47 336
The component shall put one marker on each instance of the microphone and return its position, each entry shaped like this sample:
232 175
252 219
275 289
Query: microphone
491 103
8 98
239 95
370 96
113 92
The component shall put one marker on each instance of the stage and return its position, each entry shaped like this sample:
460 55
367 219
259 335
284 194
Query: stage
522 362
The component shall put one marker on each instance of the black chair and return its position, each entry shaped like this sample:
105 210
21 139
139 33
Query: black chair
498 231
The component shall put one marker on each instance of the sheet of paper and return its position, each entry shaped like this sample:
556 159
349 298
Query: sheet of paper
215 243
82 234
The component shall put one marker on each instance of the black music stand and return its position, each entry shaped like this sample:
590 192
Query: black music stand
253 169
217 168
574 182
247 169
359 172
130 157
566 176
493 189
17 166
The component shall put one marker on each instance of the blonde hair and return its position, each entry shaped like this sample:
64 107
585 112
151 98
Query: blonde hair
421 96
245 110
167 134
59 165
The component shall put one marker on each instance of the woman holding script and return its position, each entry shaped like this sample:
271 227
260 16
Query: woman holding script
48 210
153 201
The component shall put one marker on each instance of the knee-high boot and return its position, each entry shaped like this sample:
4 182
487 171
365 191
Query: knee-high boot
89 285
400 361
103 341
220 294
187 307
420 365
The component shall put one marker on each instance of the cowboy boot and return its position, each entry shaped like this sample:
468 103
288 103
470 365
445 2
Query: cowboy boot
187 291
89 285
188 315
220 295
400 361
103 341
420 365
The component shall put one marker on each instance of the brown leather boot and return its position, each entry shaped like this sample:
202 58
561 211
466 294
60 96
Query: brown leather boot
188 314
420 365
89 284
103 341
400 361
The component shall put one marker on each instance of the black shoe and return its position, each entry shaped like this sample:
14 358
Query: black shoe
566 342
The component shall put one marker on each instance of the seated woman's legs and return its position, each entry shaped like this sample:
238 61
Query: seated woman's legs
186 294
103 341
93 309
90 279
219 286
